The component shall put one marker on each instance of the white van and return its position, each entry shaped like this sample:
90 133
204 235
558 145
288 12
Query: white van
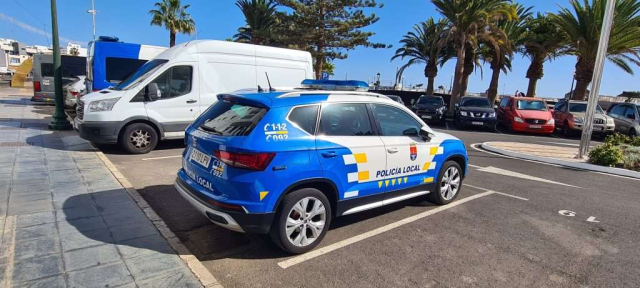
167 93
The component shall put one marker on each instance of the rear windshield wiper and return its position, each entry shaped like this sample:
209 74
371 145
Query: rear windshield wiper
210 129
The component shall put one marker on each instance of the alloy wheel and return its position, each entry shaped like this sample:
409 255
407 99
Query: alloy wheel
305 221
450 183
140 139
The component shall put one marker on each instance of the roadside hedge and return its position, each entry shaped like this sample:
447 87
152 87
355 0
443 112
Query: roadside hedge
618 151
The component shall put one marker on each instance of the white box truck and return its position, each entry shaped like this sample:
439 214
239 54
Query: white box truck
166 94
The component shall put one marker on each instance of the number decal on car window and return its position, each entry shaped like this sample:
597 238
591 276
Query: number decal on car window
276 131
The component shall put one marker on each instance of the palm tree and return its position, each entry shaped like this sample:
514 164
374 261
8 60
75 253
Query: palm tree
424 45
581 28
504 38
174 17
467 20
260 21
471 63
541 42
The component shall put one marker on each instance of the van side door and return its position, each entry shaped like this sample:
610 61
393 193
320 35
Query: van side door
177 103
351 155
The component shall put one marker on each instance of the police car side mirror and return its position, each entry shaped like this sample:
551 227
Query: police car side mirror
152 93
426 135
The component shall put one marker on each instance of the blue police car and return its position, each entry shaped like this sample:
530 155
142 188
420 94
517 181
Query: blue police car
287 162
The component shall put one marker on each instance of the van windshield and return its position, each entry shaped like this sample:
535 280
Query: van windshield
531 105
141 74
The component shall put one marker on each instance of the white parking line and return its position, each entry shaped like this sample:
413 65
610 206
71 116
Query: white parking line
509 173
164 157
324 250
474 166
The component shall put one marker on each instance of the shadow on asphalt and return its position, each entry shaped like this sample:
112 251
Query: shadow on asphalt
208 241
114 149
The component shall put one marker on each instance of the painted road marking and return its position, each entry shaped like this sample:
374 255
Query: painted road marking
335 246
504 172
474 166
163 157
504 194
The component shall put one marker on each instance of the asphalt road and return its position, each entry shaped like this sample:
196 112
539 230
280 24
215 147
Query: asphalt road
516 224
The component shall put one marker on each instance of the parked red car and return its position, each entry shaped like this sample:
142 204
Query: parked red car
525 114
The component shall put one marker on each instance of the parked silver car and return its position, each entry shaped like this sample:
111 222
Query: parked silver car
73 91
627 118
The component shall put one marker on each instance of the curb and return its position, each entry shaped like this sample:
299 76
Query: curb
202 274
582 166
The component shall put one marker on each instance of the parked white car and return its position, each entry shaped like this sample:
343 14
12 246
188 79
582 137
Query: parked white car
73 91
166 94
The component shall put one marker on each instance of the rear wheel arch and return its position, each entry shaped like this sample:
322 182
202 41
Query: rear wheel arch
327 187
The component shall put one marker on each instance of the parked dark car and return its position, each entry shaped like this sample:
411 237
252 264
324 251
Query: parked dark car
396 98
627 118
430 108
476 112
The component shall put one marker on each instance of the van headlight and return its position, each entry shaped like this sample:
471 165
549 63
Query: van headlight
103 105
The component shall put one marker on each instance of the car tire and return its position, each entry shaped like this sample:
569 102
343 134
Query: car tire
287 215
138 138
632 132
566 132
450 173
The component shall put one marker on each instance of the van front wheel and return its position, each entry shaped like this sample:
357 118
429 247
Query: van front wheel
138 138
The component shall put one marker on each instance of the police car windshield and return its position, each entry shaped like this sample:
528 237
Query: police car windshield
231 119
141 74
430 100
582 108
476 102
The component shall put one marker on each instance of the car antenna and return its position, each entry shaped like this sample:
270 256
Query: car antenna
260 89
269 82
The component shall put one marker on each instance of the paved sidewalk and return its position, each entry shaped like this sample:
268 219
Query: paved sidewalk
65 219
552 154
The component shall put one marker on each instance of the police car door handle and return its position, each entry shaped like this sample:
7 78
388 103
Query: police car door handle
191 101
392 150
329 154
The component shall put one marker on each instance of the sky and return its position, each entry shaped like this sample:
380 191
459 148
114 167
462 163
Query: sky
29 21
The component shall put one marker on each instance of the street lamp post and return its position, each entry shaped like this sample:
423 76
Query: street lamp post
597 78
59 121
93 12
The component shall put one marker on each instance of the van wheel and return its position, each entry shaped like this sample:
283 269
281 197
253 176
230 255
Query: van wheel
138 138
302 221
448 185
633 133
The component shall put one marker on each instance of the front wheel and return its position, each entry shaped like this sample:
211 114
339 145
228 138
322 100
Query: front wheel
138 138
302 221
448 185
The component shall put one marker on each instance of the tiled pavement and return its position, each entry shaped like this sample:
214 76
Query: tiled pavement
65 219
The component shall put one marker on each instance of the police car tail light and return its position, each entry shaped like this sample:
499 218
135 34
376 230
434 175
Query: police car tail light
250 161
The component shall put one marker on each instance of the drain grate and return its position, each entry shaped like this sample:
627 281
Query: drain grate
15 144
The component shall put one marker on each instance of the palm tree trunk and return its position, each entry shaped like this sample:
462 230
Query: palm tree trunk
469 64
172 38
457 78
493 86
533 85
430 83
581 89
465 83
584 74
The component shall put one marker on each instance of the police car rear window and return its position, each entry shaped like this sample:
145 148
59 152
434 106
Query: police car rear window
232 119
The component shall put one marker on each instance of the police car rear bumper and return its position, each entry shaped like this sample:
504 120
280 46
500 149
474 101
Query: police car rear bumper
259 223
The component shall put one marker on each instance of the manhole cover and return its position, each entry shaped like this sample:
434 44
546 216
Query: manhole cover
15 144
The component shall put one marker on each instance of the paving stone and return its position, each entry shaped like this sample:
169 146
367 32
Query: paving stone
148 245
111 208
145 267
28 233
35 186
50 282
65 176
29 208
67 201
6 176
115 196
126 217
38 247
79 240
131 231
17 198
35 219
37 267
59 166
177 278
29 175
111 275
77 212
6 169
81 225
88 257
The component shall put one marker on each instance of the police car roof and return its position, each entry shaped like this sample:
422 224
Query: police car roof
294 97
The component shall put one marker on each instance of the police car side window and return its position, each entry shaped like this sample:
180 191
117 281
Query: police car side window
345 120
395 122
305 117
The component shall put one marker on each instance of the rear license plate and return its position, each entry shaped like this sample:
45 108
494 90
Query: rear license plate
477 123
426 116
535 126
200 158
